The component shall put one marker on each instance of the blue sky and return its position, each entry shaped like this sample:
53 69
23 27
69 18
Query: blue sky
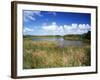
55 23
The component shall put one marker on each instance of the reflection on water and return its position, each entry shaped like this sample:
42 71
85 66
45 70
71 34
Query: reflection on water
61 41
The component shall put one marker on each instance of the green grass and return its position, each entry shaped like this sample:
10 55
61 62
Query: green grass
48 54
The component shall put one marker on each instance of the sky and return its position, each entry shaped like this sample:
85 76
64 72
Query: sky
55 23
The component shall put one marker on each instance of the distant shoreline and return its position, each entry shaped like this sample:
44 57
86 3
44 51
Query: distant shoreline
83 37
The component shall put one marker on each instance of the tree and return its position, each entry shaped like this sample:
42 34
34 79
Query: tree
87 35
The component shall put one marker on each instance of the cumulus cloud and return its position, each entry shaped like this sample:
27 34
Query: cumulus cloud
52 27
55 29
66 29
84 27
30 15
28 30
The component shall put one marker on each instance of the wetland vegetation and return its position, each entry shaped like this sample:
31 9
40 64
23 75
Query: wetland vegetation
56 51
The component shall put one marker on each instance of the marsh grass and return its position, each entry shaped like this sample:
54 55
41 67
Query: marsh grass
48 54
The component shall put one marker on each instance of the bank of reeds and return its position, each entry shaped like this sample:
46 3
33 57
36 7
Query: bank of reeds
48 54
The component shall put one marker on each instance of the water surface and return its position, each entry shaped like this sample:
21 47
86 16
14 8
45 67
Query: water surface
61 41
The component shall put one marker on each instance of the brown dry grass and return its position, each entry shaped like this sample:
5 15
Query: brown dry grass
46 54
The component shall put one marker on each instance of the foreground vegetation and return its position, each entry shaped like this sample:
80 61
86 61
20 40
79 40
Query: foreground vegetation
48 54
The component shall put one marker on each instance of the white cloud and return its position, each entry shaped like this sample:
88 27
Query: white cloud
67 27
74 28
83 26
52 27
28 30
30 15
38 13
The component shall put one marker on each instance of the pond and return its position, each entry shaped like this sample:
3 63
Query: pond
61 41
